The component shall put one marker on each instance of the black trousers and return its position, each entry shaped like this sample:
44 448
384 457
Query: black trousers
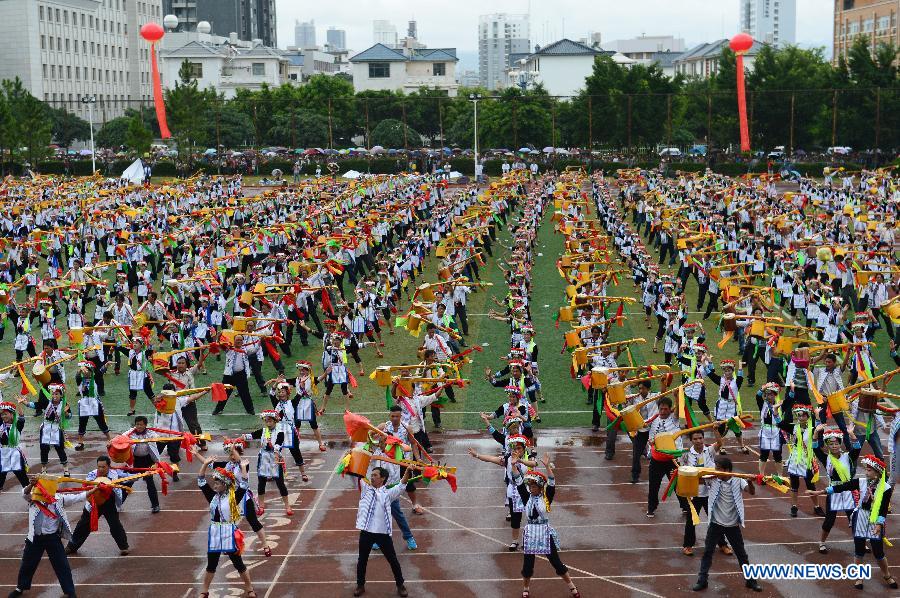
366 540
31 558
256 368
714 535
638 449
146 461
20 475
659 470
690 532
239 381
107 510
553 557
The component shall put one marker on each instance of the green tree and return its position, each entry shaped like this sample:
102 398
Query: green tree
68 127
188 109
114 133
392 134
228 126
138 137
29 122
302 128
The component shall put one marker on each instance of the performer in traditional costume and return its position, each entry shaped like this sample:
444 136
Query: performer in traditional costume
12 458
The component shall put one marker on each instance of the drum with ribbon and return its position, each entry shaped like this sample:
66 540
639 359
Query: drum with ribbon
868 400
359 463
688 482
41 373
119 449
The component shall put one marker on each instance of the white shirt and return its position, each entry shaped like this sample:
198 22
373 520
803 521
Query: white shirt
374 514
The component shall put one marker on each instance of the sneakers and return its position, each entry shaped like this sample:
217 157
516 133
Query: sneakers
359 591
79 446
155 509
174 476
794 510
650 514
70 549
635 480
401 591
823 549
123 552
375 547
15 593
700 585
819 511
753 585
411 544
513 546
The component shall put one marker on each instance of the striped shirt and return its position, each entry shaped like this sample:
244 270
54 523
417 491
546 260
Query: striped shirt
374 514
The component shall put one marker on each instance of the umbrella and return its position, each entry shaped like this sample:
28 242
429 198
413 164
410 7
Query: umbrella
533 153
377 149
85 152
351 174
524 150
210 151
562 151
310 152
454 175
392 152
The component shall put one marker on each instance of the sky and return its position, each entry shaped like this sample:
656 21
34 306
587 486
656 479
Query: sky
455 24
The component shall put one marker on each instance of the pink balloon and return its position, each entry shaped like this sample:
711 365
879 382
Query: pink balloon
741 42
152 32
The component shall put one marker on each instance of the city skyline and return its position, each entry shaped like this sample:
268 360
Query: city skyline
695 20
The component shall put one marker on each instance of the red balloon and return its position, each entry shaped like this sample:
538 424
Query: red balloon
741 42
152 32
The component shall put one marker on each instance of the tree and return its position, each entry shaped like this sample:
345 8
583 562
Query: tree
302 128
114 133
138 137
229 127
188 111
29 122
390 133
68 127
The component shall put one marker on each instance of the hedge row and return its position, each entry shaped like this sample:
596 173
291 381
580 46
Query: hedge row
393 165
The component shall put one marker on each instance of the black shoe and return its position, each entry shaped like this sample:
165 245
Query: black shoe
595 428
753 585
819 511
794 510
635 480
155 509
15 593
700 586
609 456
70 549
174 476
401 591
217 412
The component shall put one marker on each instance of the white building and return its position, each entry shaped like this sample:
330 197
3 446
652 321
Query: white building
702 61
773 22
560 67
224 64
303 64
644 47
305 34
500 35
406 70
384 33
63 50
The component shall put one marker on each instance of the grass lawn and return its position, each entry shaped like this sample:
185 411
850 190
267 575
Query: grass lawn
565 406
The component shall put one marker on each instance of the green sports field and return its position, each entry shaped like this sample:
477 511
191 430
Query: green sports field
565 398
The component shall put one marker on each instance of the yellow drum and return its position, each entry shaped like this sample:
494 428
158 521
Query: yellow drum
615 393
565 313
758 328
580 356
239 323
359 463
413 322
892 310
599 379
383 376
259 288
868 400
784 346
824 254
425 292
166 402
140 319
632 418
572 339
571 291
246 298
565 261
76 335
47 490
41 373
837 402
688 482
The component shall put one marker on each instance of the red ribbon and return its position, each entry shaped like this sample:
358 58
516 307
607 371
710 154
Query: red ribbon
158 96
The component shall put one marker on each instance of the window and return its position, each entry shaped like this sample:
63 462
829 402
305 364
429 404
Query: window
78 73
196 70
68 72
43 42
45 71
259 69
854 28
57 15
379 70
66 17
884 23
82 19
439 69
51 42
53 71
67 44
41 13
84 47
868 25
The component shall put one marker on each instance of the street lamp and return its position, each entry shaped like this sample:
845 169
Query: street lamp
474 97
90 101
